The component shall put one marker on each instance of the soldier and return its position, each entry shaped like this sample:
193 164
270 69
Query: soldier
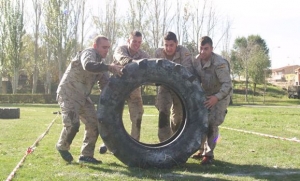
166 98
122 56
214 75
73 97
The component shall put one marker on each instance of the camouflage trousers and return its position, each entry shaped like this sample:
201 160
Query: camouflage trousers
168 103
72 110
136 110
216 117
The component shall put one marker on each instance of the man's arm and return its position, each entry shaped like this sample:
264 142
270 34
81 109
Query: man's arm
223 74
122 56
92 62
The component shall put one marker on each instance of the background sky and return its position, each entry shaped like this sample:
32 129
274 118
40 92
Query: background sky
276 21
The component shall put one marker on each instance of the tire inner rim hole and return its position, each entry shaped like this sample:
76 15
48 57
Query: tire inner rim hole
149 124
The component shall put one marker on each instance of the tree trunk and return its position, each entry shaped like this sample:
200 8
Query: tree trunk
48 83
254 88
1 87
15 81
34 79
48 74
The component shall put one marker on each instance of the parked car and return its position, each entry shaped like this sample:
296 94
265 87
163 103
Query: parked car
294 92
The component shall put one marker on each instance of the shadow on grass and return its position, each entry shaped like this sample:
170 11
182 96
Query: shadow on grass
242 171
195 171
151 173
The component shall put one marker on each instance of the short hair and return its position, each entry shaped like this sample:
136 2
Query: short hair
135 33
206 39
98 39
170 36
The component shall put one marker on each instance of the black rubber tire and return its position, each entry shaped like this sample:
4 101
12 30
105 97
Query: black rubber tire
9 113
177 149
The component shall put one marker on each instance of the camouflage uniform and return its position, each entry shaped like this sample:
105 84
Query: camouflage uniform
167 99
215 79
73 97
122 56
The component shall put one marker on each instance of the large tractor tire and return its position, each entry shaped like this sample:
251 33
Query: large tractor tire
179 147
9 113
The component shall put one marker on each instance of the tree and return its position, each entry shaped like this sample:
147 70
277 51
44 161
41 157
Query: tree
3 35
160 18
253 53
259 60
243 52
37 6
197 22
107 23
62 21
60 26
137 18
84 17
14 13
236 65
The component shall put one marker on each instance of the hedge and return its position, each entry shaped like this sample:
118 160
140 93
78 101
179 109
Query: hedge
51 98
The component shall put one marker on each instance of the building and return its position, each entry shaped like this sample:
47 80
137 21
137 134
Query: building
285 76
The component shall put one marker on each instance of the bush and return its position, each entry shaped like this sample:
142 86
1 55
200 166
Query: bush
28 98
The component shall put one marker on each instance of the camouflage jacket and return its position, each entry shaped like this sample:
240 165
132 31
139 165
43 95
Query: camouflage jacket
122 55
182 56
214 76
81 74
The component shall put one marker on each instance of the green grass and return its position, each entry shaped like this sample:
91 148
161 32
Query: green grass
239 156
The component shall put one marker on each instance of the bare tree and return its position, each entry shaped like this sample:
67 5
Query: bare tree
211 21
198 18
132 14
37 7
107 23
160 18
178 19
48 64
137 18
83 21
3 35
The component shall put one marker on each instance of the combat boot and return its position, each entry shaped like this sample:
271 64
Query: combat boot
103 149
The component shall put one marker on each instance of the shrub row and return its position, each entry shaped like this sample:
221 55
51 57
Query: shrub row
51 98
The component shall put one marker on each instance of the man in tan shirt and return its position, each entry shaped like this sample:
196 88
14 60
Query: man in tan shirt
214 75
123 55
73 97
166 98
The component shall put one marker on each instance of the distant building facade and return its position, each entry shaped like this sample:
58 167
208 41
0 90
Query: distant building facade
285 76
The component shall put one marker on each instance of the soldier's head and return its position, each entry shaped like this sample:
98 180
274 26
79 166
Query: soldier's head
101 44
135 41
170 43
205 48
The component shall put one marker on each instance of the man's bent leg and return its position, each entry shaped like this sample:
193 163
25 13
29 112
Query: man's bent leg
216 118
91 134
164 103
177 113
70 119
136 111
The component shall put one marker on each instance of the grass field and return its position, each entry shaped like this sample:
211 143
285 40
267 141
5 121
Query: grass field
239 155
